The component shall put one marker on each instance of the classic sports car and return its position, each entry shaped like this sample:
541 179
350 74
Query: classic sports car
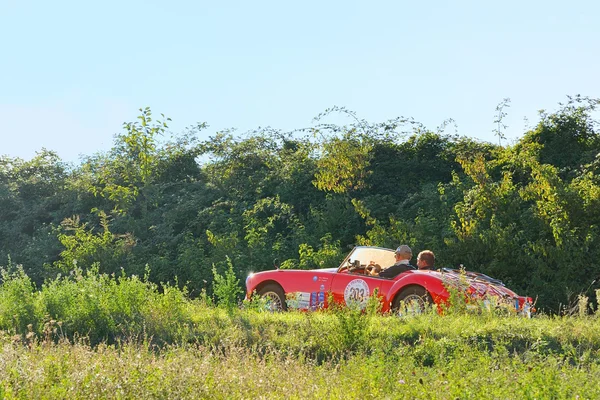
351 283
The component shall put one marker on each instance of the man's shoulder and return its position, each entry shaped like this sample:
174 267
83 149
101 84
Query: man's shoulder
405 265
395 270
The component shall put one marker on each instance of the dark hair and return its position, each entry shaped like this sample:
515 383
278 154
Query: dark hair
427 256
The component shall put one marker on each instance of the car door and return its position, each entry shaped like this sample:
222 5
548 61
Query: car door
355 288
306 290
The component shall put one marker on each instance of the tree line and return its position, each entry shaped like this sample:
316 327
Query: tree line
175 208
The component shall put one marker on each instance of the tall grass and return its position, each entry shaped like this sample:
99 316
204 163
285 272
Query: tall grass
100 307
429 368
91 335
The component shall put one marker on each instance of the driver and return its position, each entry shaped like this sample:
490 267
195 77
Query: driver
403 256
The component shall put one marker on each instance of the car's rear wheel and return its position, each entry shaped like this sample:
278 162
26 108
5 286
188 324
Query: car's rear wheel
413 300
274 296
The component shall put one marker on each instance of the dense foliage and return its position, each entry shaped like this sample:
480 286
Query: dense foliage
178 210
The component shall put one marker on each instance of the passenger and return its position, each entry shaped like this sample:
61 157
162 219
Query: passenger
403 256
426 260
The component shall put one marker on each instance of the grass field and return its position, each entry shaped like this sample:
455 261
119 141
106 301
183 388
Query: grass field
426 370
247 354
105 337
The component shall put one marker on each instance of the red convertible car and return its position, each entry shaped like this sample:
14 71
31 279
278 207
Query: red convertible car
351 284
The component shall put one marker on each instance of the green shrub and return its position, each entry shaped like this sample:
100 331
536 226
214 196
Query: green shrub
227 288
17 301
107 308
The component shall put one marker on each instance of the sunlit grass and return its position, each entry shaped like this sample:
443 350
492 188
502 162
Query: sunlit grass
106 337
429 368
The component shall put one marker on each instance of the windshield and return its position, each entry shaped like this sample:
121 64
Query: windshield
381 256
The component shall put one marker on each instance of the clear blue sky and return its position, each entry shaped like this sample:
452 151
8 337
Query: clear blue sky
71 72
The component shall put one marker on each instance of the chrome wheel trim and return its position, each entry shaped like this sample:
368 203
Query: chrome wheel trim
413 304
273 301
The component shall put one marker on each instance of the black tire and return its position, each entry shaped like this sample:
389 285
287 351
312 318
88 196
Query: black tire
274 295
412 298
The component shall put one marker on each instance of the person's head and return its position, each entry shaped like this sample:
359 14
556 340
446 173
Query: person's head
425 259
403 252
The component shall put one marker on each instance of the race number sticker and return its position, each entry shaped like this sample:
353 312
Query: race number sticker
357 293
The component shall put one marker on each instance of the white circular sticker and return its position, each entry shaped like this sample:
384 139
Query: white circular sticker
357 293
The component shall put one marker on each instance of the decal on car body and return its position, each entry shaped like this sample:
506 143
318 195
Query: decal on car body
357 293
306 300
298 300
